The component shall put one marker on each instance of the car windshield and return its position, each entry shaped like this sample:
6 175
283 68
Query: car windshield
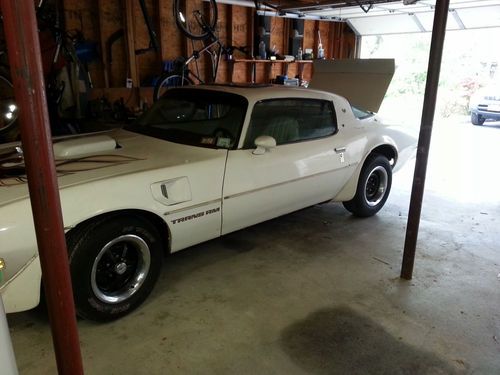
195 117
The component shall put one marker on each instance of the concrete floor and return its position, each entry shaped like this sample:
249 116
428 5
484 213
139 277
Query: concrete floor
318 291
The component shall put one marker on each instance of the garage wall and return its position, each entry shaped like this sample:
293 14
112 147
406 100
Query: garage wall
99 19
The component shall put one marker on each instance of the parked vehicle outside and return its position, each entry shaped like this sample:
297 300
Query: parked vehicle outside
485 105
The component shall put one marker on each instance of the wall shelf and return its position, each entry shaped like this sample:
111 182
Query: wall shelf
269 67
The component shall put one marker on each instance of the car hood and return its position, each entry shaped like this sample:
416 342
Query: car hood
363 82
490 92
83 159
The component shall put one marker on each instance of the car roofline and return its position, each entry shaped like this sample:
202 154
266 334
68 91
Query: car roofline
255 92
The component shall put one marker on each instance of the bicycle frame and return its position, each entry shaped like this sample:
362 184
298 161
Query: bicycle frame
180 74
215 57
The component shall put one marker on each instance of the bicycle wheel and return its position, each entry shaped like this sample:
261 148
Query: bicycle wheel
168 81
8 109
198 21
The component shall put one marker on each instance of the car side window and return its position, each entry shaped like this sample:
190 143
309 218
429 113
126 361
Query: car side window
291 120
361 114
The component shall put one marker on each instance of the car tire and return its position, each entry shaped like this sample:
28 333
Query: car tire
374 186
476 119
115 262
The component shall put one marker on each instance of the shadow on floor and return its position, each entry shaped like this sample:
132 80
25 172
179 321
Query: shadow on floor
341 341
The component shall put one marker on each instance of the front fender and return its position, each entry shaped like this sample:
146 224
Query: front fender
20 287
22 291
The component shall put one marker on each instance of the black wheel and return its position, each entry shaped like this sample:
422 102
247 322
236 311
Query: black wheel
168 81
374 185
9 111
476 119
114 262
197 23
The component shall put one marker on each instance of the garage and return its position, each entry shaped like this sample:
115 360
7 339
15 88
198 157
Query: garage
276 274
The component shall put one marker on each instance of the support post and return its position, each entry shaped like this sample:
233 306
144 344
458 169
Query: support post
251 69
130 39
21 34
104 50
424 139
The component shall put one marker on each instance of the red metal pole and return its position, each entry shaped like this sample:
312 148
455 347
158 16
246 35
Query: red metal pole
424 139
21 34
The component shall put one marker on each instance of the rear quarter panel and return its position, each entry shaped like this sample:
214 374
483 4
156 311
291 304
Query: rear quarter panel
366 135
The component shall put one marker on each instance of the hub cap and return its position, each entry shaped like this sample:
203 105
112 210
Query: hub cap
120 268
376 186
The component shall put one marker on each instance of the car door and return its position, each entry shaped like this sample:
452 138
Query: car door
307 166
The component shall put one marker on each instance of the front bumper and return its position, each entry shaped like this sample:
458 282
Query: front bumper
22 291
488 115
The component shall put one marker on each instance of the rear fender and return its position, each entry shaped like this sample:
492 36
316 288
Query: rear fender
349 190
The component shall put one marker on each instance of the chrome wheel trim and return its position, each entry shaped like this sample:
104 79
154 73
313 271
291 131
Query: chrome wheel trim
133 248
376 186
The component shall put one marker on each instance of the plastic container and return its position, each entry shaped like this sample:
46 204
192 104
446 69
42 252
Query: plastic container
321 52
262 50
299 54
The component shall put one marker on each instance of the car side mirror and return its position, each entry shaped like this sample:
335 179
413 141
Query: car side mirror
264 143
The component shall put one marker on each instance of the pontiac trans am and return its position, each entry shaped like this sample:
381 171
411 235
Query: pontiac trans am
202 162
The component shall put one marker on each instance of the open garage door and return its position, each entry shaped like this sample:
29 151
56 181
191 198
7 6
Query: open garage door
407 16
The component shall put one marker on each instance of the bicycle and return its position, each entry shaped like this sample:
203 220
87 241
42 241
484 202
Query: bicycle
66 102
198 25
9 111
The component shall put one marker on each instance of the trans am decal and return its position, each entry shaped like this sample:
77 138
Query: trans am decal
13 170
196 216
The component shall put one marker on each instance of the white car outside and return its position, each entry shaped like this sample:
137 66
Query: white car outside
485 104
204 161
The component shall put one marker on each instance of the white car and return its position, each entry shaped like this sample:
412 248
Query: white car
202 162
485 104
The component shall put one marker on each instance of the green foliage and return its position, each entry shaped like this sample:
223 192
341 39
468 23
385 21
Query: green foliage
468 62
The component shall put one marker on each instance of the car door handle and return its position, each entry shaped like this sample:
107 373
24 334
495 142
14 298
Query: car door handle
338 150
